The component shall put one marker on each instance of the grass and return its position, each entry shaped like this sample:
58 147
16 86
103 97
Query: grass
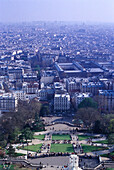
33 148
109 168
84 137
40 137
60 137
19 154
11 167
89 148
102 142
108 155
15 167
61 148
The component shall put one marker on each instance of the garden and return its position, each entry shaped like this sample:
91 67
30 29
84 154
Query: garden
33 148
89 148
40 137
61 137
61 148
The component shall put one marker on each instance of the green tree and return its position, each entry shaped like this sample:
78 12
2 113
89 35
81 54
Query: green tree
88 102
37 124
11 151
27 134
13 137
44 110
111 126
13 122
111 138
21 138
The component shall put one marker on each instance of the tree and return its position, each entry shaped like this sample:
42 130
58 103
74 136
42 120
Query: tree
102 103
11 151
87 115
27 134
97 127
44 110
105 125
111 126
37 124
21 138
13 137
111 138
88 102
12 123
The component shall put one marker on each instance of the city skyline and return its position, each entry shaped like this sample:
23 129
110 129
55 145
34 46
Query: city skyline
57 10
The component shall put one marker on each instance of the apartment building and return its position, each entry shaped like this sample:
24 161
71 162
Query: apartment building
8 102
106 99
79 97
91 87
61 102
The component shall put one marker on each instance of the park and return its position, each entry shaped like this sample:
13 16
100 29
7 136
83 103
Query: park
63 140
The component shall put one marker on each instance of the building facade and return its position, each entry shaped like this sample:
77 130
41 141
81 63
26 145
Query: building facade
61 102
8 102
106 99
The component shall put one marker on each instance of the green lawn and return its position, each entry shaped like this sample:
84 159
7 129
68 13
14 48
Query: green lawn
108 155
83 137
89 148
61 148
61 137
33 148
40 137
19 154
102 141
15 167
109 168
11 167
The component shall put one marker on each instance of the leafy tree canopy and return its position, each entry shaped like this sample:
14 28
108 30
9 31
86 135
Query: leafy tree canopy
111 138
87 115
88 102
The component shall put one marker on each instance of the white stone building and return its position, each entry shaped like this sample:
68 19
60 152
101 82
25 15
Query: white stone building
73 163
30 88
61 102
20 95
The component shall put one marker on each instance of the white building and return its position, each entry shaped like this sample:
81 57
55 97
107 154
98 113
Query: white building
61 102
59 88
30 88
8 102
79 97
20 95
73 163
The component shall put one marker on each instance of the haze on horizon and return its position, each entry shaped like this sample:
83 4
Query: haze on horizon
57 10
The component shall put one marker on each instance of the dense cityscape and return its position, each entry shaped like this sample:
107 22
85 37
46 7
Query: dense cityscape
57 95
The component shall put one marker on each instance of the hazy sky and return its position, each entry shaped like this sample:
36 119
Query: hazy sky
57 10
